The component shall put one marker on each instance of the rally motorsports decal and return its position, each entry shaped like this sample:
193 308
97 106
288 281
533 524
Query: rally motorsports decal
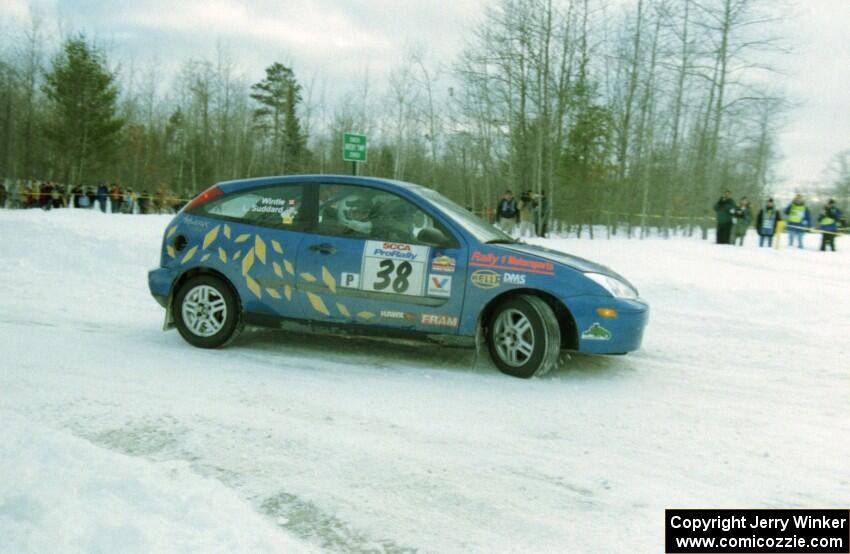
439 320
440 285
596 332
511 262
350 280
393 314
443 264
485 279
394 267
513 278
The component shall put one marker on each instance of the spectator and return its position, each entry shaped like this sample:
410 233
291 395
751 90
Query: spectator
45 192
77 194
723 208
57 200
742 216
799 219
102 193
129 201
541 215
2 195
507 212
31 195
766 223
828 224
116 197
144 201
527 206
92 196
15 195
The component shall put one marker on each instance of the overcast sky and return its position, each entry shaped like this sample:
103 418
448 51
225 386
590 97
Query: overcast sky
339 39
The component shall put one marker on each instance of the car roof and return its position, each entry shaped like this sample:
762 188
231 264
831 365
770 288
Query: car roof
244 184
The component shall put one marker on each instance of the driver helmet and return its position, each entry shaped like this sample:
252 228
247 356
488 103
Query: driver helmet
354 212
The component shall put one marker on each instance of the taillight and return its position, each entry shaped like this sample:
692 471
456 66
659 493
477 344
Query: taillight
210 194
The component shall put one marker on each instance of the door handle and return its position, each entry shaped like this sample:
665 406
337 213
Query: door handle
324 248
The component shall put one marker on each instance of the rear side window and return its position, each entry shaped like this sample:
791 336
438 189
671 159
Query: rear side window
279 206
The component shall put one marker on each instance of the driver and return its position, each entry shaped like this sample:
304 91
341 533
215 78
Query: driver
353 213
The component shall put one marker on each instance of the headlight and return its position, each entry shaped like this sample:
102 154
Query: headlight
616 287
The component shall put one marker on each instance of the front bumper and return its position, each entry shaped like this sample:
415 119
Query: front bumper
608 335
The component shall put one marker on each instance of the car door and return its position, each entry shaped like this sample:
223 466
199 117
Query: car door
255 245
377 259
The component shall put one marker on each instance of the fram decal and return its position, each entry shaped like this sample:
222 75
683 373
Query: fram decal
439 320
485 279
350 280
440 285
513 278
393 314
511 263
443 264
596 332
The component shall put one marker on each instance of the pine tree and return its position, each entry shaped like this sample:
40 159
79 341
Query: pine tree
83 128
279 93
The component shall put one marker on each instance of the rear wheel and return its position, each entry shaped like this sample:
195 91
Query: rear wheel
523 337
206 312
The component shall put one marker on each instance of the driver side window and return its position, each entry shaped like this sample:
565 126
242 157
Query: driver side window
373 214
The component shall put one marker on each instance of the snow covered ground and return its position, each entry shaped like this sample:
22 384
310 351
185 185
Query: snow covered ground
116 436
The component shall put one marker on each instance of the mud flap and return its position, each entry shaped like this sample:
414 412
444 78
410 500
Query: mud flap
168 323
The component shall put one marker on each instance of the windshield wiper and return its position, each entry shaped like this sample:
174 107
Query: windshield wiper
502 241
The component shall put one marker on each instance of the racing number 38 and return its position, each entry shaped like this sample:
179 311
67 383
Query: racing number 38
395 268
402 271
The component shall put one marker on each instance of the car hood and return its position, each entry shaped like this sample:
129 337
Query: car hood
580 264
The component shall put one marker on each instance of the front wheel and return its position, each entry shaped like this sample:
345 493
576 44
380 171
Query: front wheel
206 312
523 337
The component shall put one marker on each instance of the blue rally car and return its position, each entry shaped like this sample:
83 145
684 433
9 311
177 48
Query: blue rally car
387 258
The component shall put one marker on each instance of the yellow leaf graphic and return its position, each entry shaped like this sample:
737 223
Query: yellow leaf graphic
318 304
170 250
247 262
342 309
366 315
328 279
242 238
287 290
171 232
273 293
189 255
237 254
227 231
308 277
222 255
253 286
277 247
205 257
211 236
277 270
260 248
288 266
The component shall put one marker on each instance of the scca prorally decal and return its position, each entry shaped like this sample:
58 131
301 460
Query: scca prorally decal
513 278
485 279
397 250
439 320
511 262
440 285
596 332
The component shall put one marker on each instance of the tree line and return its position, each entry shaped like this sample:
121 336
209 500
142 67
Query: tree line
639 115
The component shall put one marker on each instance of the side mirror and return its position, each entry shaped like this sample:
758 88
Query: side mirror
433 237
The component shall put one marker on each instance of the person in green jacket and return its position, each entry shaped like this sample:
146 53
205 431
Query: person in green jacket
723 208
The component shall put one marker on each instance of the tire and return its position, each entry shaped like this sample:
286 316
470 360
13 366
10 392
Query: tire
523 337
206 312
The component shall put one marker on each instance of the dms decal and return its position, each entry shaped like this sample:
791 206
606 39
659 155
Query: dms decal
350 280
443 264
511 262
439 320
392 314
485 279
440 285
596 332
513 278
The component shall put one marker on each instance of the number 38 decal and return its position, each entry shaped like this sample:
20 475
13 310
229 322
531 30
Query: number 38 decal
394 267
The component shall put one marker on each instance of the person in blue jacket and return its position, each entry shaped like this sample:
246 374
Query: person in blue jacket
828 224
766 223
102 193
799 219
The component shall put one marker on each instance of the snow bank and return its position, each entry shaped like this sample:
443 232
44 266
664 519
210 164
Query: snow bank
59 493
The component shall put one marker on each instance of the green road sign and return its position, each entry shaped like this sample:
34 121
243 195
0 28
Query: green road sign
353 147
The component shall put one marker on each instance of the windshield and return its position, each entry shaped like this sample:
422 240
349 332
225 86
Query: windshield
476 226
